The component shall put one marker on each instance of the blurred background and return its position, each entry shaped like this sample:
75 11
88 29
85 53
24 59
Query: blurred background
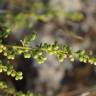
71 22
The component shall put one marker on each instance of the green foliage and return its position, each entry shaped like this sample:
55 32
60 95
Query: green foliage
3 33
27 40
9 52
28 19
10 71
10 91
60 51
38 52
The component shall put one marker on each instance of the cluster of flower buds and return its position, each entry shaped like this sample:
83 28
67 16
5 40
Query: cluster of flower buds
3 85
10 91
39 53
8 68
86 57
60 51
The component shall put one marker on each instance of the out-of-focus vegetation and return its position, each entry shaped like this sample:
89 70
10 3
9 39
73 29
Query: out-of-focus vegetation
67 22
